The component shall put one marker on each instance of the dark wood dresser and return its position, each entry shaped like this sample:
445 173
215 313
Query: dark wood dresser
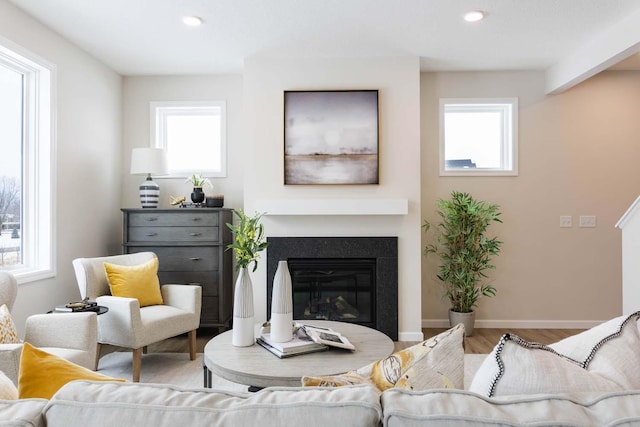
190 244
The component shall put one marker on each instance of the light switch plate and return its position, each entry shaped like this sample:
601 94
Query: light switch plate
587 221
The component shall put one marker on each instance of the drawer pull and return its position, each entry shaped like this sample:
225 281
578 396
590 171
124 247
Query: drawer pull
194 259
195 234
151 218
196 218
151 234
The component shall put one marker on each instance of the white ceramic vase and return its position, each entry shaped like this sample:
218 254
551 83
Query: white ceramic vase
282 304
243 334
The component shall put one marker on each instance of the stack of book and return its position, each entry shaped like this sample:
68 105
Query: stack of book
294 347
78 306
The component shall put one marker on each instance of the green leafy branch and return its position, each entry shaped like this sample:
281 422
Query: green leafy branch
249 239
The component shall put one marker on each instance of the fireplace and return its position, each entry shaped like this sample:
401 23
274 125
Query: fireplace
349 279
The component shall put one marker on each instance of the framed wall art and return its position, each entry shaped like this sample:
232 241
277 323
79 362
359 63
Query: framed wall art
331 137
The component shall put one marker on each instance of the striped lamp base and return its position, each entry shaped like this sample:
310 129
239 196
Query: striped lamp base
149 194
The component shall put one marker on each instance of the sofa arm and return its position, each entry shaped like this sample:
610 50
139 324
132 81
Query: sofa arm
184 297
122 324
10 360
77 331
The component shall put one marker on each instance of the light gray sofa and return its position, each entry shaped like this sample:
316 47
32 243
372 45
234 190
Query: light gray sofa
86 403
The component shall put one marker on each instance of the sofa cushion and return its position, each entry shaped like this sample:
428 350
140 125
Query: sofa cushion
25 412
137 281
606 359
8 332
112 404
435 363
42 374
462 408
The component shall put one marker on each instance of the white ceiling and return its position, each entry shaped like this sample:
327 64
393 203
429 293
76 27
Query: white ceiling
140 37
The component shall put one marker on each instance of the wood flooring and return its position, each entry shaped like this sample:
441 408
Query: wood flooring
482 341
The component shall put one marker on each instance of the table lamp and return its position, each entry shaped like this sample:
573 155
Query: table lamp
149 161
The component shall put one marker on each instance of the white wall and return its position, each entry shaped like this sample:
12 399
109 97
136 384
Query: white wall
578 156
138 92
397 80
88 158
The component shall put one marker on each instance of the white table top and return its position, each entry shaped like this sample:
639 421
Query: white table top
256 366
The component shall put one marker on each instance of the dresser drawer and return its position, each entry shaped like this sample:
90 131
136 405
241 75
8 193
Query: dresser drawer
184 258
210 313
173 234
190 244
174 219
208 280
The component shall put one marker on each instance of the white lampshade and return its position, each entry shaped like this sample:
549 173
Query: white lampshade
149 161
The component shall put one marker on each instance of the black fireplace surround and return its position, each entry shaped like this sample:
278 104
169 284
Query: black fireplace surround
384 250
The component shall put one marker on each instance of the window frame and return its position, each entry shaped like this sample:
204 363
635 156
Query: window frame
159 110
38 157
508 107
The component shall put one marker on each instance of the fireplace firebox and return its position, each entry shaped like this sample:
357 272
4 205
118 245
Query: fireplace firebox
349 279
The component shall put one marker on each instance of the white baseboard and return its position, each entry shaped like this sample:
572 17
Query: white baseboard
519 324
411 336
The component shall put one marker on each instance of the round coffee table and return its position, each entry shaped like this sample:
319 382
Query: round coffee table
257 367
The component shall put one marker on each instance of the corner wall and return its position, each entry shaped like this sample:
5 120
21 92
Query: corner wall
397 80
139 91
578 154
88 159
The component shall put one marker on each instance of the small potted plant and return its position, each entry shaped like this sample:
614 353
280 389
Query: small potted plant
465 253
198 181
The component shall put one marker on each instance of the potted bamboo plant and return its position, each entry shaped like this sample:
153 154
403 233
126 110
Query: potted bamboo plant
465 253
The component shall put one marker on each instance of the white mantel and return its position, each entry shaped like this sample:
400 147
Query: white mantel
333 206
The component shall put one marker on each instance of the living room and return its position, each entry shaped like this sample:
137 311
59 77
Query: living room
577 151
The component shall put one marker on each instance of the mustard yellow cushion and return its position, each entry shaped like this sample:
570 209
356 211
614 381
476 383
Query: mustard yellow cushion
8 333
41 374
138 281
435 363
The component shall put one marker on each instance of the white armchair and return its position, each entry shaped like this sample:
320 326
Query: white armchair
72 336
127 324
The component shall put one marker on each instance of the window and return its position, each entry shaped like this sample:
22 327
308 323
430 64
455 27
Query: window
194 136
26 159
478 137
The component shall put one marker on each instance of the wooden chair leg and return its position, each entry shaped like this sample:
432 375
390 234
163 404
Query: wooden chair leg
192 344
145 349
136 365
95 368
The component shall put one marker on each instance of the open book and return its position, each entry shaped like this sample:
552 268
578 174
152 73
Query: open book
326 336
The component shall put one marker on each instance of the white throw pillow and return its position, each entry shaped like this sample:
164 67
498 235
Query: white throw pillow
605 358
8 390
435 363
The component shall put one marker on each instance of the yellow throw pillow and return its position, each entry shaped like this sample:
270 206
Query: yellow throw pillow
42 374
137 281
8 333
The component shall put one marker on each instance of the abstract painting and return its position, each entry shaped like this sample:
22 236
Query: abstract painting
331 137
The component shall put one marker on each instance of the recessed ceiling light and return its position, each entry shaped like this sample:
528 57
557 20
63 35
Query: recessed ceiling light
474 16
192 21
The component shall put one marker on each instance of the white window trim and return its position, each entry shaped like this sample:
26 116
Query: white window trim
511 151
39 236
157 138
